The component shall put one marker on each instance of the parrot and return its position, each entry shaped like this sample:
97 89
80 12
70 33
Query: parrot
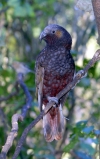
54 70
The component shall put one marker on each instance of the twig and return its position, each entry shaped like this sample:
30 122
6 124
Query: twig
77 78
11 135
28 95
16 117
96 9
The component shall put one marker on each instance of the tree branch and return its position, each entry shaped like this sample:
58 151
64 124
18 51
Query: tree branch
96 9
16 117
27 93
77 78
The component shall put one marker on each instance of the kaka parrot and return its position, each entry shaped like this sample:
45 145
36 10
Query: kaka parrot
54 70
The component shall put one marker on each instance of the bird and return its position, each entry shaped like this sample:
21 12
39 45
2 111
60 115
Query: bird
54 70
21 68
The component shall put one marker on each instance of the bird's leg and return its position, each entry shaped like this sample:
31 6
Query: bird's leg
53 99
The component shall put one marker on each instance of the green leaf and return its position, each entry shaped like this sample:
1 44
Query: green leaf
97 132
88 148
87 130
82 155
81 123
71 145
97 70
95 141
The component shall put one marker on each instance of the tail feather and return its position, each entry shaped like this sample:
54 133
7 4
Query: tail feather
53 126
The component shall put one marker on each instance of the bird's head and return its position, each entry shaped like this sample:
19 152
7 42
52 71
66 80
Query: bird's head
56 35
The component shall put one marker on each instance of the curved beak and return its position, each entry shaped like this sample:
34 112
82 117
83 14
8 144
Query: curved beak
42 35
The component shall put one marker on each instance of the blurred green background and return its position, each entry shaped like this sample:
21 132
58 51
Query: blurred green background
21 22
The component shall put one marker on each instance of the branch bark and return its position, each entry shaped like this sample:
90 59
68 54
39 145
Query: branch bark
96 9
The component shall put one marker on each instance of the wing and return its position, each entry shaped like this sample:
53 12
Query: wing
39 84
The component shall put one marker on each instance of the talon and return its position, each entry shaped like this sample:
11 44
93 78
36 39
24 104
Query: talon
81 73
53 99
66 118
55 105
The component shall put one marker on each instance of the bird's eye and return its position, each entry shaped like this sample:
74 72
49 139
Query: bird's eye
53 31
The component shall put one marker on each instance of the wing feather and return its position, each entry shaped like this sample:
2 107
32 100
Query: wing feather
39 84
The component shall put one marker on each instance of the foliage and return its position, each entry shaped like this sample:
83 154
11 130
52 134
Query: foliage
20 25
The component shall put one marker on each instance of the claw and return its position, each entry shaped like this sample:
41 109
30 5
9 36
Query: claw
66 118
81 73
53 99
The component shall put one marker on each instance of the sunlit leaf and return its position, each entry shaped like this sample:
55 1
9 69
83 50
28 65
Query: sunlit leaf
95 141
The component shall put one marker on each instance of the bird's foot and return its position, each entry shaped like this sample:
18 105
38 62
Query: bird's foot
81 73
53 99
66 118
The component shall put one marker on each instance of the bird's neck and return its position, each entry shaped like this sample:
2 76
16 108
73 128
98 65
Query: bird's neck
57 48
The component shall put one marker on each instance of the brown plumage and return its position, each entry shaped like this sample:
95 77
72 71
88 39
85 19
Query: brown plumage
54 70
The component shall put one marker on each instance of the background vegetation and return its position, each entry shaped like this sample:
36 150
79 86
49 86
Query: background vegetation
20 25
